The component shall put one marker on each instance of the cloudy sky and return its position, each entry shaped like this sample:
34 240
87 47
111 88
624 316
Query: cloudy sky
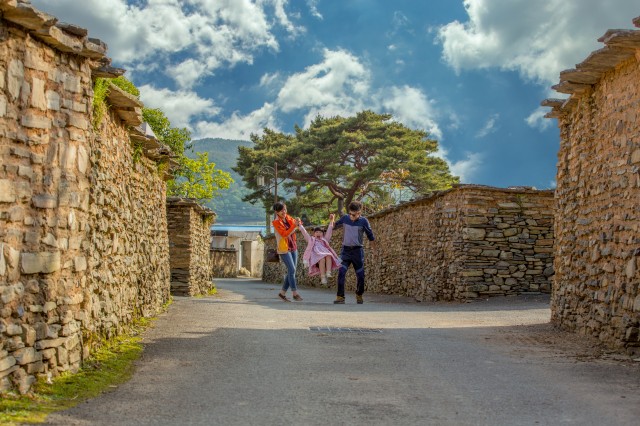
472 73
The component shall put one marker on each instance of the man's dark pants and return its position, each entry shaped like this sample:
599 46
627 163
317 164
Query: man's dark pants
351 256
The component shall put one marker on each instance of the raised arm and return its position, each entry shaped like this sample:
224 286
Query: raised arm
327 235
305 234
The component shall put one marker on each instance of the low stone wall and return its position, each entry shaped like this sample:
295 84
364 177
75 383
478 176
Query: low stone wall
189 242
597 288
468 242
83 243
224 262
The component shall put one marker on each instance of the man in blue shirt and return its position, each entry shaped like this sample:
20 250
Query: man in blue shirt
355 226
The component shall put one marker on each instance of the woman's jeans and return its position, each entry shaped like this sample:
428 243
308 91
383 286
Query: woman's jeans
290 259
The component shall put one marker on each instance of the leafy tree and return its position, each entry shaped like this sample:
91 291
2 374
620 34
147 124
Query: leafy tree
199 179
338 160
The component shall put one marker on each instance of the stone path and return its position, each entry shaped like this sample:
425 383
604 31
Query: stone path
243 357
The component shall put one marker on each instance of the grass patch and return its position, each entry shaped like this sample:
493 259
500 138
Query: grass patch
111 364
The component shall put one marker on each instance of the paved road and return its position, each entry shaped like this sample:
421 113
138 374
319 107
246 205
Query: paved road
243 357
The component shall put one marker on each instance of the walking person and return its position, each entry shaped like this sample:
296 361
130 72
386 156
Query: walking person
355 226
319 256
285 231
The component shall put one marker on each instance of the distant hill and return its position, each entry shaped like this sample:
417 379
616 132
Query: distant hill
229 207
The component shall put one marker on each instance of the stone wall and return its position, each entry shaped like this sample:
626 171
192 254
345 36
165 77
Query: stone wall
82 228
224 262
189 242
468 242
597 287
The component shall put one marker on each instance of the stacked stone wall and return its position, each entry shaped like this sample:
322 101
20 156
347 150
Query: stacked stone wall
597 288
189 242
224 263
82 228
469 242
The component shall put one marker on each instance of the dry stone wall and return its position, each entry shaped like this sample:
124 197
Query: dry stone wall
189 242
83 243
597 287
224 262
468 242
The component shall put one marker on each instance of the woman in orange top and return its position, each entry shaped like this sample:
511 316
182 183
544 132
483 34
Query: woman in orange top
285 231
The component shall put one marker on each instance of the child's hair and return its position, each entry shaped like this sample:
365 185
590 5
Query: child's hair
355 206
318 228
277 207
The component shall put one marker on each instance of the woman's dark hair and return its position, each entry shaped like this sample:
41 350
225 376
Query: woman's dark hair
318 228
277 207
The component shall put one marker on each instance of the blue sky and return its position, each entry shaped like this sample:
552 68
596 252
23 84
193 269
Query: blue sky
472 73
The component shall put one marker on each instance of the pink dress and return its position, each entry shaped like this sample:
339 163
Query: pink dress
318 248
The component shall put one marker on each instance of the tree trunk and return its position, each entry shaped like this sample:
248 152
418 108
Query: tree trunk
340 206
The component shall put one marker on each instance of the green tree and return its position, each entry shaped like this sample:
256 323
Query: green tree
199 179
338 160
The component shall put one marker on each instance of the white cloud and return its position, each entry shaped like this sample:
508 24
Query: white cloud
336 85
283 19
212 33
537 120
536 39
467 168
180 107
313 8
489 127
411 107
238 127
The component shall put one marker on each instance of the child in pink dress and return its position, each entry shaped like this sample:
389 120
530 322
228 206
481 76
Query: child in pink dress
319 255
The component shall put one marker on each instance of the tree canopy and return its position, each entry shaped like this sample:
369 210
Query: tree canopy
336 160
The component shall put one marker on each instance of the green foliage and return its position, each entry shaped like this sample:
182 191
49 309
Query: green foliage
177 139
199 179
100 107
337 160
126 85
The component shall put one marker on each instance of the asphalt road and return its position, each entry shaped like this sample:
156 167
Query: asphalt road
243 357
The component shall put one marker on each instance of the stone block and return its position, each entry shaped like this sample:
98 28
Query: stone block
3 105
6 363
53 100
50 343
36 122
42 262
7 193
44 201
474 234
38 98
15 78
80 263
27 355
3 263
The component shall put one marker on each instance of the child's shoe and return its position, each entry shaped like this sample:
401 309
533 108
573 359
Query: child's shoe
323 279
329 274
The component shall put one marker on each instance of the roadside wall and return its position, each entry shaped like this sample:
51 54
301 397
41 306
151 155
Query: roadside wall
189 242
83 243
597 288
224 262
468 242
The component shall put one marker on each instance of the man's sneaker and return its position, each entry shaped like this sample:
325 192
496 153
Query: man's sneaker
339 300
359 300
